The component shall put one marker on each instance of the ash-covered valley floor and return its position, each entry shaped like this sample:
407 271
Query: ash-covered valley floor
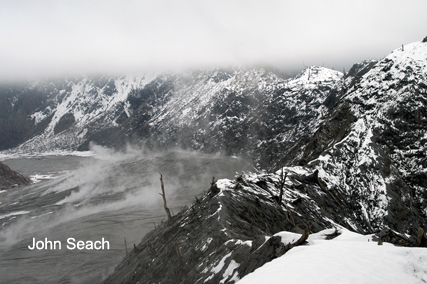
107 195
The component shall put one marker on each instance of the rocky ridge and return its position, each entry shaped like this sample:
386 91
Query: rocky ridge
233 229
239 225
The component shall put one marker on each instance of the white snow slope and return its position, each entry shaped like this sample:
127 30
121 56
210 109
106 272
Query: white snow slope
349 258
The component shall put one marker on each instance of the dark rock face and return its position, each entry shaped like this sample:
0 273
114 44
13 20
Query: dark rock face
64 123
42 116
17 103
334 129
9 178
357 71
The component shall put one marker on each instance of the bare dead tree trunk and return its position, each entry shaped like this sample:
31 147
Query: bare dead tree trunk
304 236
126 247
289 216
302 239
282 184
168 212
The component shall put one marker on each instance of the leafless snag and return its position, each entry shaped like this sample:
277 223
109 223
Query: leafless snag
282 184
289 216
302 239
126 247
304 236
168 212
214 189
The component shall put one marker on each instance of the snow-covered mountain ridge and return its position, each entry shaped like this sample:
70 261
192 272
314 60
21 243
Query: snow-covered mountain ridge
383 156
67 108
360 165
352 147
365 132
245 112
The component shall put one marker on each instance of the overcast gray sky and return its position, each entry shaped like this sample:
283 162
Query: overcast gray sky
55 37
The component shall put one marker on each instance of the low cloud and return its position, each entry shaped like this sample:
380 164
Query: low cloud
48 38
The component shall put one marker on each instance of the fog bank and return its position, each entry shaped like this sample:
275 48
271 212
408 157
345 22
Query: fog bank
51 38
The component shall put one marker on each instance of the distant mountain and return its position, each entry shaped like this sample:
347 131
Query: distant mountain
364 131
59 115
248 112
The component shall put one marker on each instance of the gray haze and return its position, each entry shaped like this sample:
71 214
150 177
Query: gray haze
50 37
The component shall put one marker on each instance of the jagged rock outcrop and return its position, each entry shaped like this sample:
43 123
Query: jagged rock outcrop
9 178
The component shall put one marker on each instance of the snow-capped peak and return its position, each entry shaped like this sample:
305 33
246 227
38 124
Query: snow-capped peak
311 76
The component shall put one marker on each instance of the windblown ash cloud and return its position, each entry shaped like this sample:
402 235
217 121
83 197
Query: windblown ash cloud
59 37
